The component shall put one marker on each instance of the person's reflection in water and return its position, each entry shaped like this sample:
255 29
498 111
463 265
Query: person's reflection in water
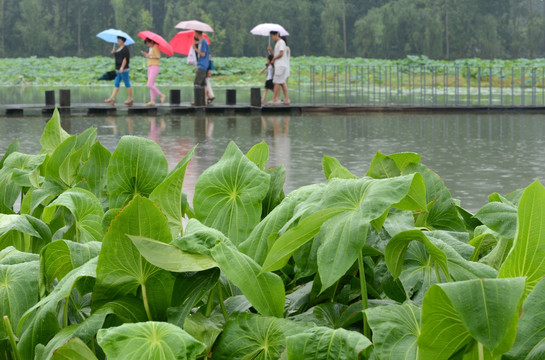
120 126
278 128
156 129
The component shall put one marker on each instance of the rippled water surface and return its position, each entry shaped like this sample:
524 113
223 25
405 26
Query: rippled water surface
474 154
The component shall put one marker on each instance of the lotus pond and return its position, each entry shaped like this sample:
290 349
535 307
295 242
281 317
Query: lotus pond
160 238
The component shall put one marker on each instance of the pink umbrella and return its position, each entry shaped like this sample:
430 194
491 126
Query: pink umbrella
182 41
194 25
164 46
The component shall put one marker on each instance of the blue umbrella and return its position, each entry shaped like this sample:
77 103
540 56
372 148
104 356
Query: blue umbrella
111 35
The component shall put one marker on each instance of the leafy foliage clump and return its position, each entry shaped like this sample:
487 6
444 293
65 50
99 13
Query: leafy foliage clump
103 257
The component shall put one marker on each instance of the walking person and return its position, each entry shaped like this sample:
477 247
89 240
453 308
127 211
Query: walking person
203 60
269 81
122 61
280 61
285 85
154 57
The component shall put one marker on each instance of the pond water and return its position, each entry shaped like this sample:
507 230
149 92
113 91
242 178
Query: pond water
475 154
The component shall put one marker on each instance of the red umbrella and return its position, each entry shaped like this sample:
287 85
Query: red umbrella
163 45
182 41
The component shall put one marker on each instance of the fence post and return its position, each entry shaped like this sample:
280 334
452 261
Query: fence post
231 97
198 93
533 86
50 98
255 97
64 97
522 81
479 86
174 97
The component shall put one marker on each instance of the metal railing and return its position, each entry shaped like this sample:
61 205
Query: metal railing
418 86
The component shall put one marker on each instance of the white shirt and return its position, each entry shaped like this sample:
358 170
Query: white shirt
283 61
270 72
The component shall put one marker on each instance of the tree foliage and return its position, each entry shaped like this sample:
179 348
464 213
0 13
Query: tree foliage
441 29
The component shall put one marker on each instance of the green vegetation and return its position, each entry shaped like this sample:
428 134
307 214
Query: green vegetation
104 256
74 71
392 29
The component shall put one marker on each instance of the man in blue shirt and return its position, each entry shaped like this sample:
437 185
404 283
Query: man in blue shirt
203 54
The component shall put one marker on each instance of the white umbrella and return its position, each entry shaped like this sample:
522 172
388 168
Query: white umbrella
265 29
194 25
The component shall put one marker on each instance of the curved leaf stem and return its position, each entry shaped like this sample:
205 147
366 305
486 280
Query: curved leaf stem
65 312
145 300
210 303
11 336
437 274
481 350
222 304
364 300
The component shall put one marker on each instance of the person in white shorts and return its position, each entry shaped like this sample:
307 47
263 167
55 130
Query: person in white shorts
280 61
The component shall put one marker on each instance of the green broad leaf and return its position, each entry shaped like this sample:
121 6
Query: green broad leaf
530 340
482 243
136 167
396 250
85 208
39 324
121 270
60 257
12 256
323 343
395 330
148 340
189 289
19 291
527 257
12 147
500 217
169 257
256 245
68 170
199 238
50 189
364 201
419 273
73 349
294 238
204 329
259 155
251 336
402 160
14 229
382 167
442 213
94 170
333 169
275 195
264 290
484 310
53 134
168 195
85 332
229 195
59 155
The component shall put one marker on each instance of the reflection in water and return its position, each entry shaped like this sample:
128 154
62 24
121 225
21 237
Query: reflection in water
475 154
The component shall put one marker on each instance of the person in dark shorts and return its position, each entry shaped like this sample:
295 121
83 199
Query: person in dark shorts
122 60
203 59
269 82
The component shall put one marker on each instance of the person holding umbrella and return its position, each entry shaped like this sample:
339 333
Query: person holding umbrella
122 61
203 59
153 56
280 61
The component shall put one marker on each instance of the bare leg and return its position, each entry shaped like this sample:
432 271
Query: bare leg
276 92
286 96
111 99
264 96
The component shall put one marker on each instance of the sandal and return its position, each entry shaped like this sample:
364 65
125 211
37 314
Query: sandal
150 103
209 101
163 97
128 102
110 100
